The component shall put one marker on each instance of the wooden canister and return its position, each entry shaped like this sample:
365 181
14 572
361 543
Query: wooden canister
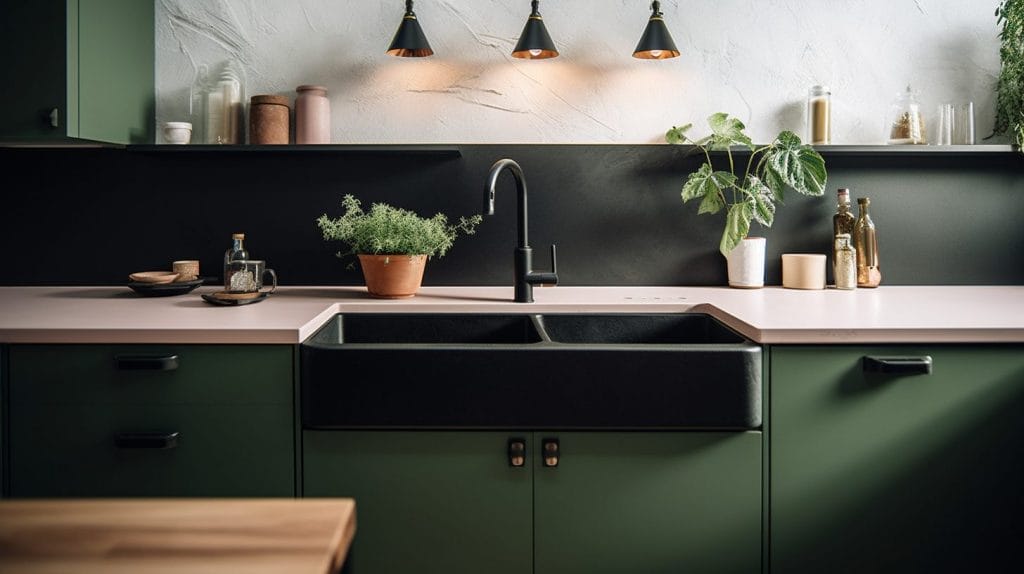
268 120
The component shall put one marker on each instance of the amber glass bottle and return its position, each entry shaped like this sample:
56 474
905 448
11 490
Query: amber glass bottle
869 273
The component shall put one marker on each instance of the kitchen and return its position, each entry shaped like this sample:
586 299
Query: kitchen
422 133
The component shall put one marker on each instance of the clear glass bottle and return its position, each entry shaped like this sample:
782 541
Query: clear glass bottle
869 273
844 266
237 252
906 123
843 220
819 115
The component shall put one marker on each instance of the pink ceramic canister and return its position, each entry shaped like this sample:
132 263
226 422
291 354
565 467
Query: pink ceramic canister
312 115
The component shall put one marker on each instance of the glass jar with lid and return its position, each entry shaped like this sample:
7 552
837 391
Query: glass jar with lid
906 122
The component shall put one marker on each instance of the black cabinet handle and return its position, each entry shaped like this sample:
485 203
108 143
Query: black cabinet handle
146 362
150 440
898 365
517 452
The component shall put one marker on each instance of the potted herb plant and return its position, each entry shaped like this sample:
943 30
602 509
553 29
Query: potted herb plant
751 195
392 244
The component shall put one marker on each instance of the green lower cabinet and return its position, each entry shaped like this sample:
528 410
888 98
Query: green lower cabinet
427 502
889 473
135 420
449 502
649 502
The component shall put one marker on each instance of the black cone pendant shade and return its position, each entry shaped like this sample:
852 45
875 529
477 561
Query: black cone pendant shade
409 40
656 43
535 43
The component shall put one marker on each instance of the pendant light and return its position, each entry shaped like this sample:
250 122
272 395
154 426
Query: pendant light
535 43
656 43
409 40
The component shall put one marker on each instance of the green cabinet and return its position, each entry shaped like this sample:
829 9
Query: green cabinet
882 473
449 501
78 68
151 420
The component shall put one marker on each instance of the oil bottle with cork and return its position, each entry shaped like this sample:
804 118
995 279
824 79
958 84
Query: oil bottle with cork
869 273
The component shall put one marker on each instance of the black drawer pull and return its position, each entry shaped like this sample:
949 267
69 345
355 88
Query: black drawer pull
551 452
898 365
151 440
146 362
517 452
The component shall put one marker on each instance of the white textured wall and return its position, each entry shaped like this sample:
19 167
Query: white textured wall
752 58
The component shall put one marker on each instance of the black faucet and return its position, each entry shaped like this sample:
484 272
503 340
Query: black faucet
525 277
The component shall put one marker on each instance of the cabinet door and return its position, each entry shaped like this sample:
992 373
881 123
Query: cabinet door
33 39
78 412
444 502
649 502
896 473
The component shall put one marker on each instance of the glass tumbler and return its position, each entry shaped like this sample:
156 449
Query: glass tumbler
246 276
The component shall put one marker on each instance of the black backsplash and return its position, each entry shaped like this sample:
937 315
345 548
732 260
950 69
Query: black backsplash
92 216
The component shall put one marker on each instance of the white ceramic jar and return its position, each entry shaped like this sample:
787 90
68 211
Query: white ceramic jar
177 133
312 115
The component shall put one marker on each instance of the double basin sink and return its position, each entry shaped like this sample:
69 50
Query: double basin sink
554 371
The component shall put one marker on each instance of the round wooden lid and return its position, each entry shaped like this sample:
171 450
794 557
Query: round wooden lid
269 99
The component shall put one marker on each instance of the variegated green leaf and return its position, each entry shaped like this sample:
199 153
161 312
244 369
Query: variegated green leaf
705 181
677 135
727 131
737 225
760 198
797 165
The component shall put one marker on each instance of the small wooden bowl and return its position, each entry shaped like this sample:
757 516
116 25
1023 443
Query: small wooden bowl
154 276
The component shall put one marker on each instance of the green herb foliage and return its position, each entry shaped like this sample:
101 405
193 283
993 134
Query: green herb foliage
387 230
786 162
1010 86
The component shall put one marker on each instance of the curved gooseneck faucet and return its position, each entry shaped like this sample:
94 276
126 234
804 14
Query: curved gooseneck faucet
525 278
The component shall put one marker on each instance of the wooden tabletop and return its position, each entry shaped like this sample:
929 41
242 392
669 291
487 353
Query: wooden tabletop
199 536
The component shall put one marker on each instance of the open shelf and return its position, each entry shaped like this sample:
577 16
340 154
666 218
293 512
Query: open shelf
429 150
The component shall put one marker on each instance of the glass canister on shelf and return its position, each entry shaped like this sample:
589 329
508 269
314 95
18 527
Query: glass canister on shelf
906 122
312 115
819 116
225 107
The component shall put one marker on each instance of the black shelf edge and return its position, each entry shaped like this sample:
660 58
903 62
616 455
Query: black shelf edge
883 150
383 149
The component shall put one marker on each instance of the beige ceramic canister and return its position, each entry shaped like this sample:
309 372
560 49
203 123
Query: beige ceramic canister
312 115
269 122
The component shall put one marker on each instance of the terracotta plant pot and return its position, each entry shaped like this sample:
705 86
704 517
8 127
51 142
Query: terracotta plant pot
392 276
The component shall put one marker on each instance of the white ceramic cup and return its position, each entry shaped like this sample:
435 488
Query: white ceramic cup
178 133
803 271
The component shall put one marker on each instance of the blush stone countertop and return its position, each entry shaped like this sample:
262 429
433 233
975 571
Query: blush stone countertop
773 315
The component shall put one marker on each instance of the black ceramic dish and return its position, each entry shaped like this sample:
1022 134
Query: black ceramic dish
164 289
209 298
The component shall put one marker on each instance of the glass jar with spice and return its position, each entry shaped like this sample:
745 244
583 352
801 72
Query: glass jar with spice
819 115
906 123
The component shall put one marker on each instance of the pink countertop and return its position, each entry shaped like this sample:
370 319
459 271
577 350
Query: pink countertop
771 315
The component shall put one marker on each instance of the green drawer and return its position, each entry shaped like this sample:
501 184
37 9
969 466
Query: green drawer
204 374
222 450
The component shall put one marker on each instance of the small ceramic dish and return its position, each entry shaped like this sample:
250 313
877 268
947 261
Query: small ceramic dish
164 289
154 276
234 299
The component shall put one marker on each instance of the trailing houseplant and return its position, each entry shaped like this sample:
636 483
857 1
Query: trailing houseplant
392 244
1010 85
750 195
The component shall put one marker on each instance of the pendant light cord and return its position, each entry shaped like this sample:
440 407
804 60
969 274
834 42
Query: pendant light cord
656 8
408 8
536 7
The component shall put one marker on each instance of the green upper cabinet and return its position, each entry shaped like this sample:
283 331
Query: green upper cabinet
79 68
450 501
151 420
896 473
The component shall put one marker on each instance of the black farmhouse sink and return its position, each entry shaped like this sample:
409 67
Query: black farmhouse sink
550 371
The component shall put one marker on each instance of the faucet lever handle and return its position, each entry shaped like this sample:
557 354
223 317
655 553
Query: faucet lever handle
554 261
